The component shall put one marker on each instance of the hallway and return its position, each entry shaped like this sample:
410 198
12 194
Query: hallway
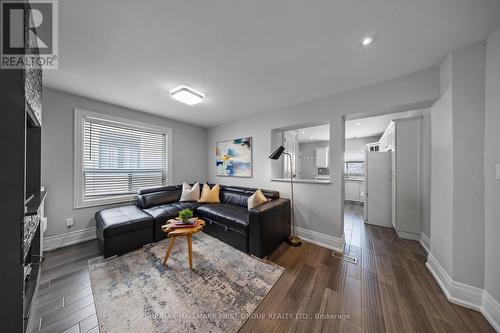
407 296
388 290
353 224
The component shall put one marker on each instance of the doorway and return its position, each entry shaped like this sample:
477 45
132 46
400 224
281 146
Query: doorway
373 180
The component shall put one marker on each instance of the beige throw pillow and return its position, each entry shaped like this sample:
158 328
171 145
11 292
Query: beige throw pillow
190 193
256 199
210 195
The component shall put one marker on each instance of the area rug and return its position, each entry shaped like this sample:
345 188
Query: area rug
136 293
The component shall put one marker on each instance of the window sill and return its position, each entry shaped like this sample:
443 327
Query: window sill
309 181
105 201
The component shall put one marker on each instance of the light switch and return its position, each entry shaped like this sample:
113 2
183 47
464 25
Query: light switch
498 171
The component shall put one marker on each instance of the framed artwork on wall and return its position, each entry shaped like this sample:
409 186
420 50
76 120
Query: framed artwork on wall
234 158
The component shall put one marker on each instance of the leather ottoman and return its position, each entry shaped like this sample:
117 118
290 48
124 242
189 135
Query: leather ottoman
123 229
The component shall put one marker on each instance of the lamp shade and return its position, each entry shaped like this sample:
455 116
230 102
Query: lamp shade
277 153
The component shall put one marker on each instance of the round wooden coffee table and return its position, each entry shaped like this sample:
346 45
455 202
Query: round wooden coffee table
173 233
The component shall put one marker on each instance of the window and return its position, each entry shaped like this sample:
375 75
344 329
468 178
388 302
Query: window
308 146
355 168
116 157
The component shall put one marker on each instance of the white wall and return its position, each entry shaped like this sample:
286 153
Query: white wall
319 207
442 181
491 158
445 74
426 175
457 213
358 144
468 80
188 145
465 193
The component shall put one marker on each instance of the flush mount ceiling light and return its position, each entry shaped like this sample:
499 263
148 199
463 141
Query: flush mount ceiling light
367 40
187 95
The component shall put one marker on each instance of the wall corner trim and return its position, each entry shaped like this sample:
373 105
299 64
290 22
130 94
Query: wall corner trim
425 241
465 295
69 238
330 242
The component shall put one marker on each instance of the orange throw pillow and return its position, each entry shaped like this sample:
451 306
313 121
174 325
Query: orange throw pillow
210 195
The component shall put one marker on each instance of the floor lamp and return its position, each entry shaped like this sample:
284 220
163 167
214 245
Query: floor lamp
292 239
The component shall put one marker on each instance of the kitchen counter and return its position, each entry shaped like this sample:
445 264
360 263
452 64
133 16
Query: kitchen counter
354 178
296 180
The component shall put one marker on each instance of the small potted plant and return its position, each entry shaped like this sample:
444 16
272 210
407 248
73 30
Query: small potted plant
185 215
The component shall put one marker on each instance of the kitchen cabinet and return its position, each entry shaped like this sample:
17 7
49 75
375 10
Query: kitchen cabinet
383 142
387 140
353 190
322 157
405 174
375 146
391 140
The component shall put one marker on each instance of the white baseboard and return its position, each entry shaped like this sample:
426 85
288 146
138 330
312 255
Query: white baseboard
465 295
82 235
425 241
330 242
456 292
69 238
408 235
491 310
439 274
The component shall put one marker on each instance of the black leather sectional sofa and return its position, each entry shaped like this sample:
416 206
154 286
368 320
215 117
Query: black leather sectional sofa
257 231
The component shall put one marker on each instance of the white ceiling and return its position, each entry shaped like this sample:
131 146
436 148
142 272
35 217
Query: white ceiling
314 134
251 56
374 126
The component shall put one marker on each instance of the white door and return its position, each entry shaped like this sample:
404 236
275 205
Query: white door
378 178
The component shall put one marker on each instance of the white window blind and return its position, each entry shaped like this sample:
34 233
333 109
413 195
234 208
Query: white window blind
119 159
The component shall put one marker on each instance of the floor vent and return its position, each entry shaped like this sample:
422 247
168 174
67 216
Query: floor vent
345 257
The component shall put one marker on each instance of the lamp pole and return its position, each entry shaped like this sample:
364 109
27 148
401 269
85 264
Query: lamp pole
292 239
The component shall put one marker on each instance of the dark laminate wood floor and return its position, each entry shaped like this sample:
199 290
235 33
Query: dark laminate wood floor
64 302
389 290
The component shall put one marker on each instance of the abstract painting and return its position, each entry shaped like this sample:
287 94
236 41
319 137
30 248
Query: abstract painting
234 158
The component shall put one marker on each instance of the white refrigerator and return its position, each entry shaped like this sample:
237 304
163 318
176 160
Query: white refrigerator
378 189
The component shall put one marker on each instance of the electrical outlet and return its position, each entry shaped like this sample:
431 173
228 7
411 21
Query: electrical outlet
498 171
69 222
